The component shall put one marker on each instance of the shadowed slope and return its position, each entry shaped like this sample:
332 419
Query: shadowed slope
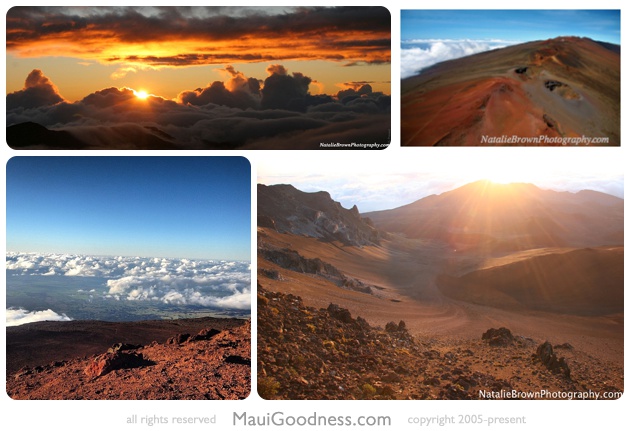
509 217
583 282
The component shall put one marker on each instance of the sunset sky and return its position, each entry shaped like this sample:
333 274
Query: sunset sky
198 77
167 50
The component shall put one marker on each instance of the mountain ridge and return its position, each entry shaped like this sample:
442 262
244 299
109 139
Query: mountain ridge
287 209
501 211
566 87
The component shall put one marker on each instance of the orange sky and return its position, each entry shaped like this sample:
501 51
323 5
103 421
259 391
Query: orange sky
168 50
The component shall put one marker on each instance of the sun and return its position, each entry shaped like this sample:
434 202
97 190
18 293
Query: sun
141 94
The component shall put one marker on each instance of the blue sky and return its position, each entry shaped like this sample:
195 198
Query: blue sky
434 36
192 207
519 25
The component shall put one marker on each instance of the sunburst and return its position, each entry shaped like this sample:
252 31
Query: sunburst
141 94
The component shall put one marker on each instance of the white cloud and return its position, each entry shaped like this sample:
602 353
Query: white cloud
20 316
212 283
421 53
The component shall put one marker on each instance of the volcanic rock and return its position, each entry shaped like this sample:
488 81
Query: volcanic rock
544 354
214 364
498 337
111 361
289 210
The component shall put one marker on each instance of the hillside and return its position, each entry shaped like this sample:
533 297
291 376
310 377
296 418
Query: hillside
563 87
327 353
547 265
194 359
503 217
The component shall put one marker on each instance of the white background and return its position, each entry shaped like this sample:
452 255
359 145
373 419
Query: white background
548 415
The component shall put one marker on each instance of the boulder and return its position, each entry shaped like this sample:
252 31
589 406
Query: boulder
498 337
544 354
204 334
120 347
110 361
178 339
342 314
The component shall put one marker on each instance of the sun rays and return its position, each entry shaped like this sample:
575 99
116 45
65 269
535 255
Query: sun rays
141 94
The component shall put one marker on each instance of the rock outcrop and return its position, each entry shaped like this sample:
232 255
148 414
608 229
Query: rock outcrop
110 361
289 210
498 337
544 354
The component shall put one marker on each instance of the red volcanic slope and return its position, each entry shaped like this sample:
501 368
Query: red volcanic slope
563 87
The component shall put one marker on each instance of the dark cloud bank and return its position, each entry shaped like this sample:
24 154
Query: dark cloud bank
244 112
333 33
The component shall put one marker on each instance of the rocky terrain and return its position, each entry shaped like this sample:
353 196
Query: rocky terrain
547 266
210 360
326 353
562 87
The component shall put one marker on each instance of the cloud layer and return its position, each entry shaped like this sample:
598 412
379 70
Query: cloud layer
418 54
206 283
20 316
240 112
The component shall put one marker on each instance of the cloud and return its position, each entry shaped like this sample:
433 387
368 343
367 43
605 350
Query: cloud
38 91
282 91
354 90
20 316
186 282
352 34
122 72
421 53
231 114
240 92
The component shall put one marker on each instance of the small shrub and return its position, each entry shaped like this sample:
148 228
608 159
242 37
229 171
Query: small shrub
268 387
368 390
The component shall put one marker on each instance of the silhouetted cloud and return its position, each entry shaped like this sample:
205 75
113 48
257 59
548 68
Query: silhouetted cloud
239 92
38 91
282 91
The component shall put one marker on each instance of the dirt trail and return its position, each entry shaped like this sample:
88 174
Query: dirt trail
405 271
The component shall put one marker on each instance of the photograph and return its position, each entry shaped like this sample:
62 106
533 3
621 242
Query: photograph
414 287
510 78
128 278
389 282
200 78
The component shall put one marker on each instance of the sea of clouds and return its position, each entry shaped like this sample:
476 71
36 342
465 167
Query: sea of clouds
417 54
216 284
